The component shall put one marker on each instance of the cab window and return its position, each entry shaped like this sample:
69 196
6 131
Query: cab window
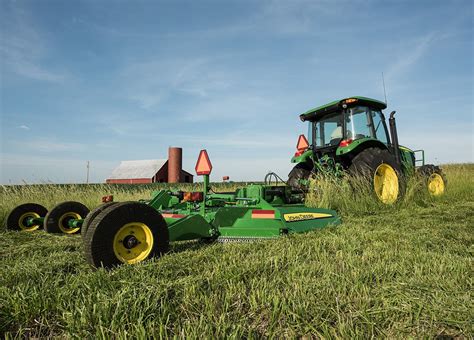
328 131
358 124
379 126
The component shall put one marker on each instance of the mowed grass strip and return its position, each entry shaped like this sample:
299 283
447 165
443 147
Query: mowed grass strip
403 271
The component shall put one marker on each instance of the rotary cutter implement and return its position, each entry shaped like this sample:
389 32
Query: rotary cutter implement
130 232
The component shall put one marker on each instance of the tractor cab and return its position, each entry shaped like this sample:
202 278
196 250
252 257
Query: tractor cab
334 127
342 128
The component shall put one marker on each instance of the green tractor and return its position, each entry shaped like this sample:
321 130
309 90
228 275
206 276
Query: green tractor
351 136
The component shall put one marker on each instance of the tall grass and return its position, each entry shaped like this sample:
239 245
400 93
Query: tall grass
403 271
352 196
91 195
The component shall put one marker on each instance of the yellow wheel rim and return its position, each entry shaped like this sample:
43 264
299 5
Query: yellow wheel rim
386 183
436 185
22 221
63 222
133 242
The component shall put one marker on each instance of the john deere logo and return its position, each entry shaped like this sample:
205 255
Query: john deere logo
304 216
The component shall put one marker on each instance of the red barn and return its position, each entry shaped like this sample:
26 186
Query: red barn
152 171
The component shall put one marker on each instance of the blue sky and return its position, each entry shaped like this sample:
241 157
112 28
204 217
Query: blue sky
105 81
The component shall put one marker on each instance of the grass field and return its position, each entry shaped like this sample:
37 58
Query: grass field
396 272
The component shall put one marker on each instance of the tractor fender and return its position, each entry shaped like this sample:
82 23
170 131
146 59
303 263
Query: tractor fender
360 145
306 156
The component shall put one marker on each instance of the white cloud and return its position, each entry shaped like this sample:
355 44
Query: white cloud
416 51
24 127
149 83
23 48
45 145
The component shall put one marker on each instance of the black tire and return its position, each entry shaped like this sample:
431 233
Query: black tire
371 164
434 179
92 215
56 220
16 219
111 241
301 171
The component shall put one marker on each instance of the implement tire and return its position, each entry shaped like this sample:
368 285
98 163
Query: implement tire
93 214
17 218
435 180
57 219
126 232
379 167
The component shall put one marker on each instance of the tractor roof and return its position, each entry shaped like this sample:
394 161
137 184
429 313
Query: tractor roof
336 105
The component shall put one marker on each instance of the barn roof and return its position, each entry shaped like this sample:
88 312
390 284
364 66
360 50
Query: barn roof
138 169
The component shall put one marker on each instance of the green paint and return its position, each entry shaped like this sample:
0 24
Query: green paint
205 190
407 158
32 221
336 105
190 227
303 157
75 223
236 214
356 143
161 199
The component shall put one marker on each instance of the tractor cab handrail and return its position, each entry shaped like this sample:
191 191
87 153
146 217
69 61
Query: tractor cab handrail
418 160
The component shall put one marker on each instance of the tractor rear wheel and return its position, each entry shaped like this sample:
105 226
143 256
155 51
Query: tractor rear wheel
126 232
93 214
18 217
435 179
300 172
382 171
57 220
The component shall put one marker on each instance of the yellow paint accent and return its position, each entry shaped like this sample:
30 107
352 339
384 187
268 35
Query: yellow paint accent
141 251
404 148
304 216
386 183
23 218
63 222
436 185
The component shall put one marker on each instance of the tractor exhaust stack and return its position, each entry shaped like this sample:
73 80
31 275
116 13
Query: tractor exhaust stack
394 136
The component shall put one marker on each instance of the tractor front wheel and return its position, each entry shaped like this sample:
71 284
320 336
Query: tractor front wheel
57 220
18 217
382 171
434 178
126 232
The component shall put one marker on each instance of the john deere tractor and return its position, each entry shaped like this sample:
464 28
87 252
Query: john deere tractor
350 136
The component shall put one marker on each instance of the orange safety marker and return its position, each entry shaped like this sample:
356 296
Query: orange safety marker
302 143
203 164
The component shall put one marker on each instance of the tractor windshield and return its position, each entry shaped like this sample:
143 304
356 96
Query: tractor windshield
362 122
